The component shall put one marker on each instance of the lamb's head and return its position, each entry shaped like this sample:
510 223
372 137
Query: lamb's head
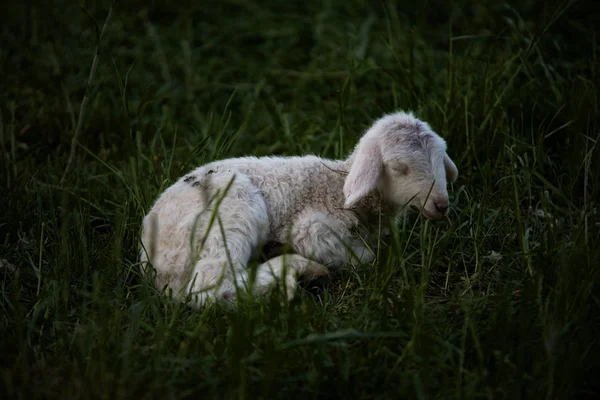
407 161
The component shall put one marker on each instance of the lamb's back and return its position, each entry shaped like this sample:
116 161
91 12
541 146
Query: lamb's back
289 185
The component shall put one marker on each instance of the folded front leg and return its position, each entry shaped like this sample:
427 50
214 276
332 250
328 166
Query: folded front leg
285 269
321 237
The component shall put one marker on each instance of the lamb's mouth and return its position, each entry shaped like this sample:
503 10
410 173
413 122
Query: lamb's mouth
432 216
427 214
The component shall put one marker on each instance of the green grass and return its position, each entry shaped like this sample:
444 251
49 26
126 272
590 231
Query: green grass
499 301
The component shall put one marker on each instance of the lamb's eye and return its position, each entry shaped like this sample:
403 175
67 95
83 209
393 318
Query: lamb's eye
399 167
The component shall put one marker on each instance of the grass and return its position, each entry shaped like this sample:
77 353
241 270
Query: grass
499 301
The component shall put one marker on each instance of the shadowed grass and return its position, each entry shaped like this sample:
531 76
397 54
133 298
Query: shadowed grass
497 301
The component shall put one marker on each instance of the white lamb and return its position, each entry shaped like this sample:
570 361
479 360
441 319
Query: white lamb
203 231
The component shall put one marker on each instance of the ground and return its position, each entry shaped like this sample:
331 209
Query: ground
499 300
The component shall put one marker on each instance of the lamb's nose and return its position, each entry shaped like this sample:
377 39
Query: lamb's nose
441 206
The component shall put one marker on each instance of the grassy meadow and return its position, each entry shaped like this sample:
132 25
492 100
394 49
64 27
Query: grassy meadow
501 300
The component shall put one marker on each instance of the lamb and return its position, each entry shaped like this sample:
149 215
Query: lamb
204 230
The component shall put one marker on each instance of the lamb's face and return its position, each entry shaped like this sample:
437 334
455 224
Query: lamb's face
416 169
407 161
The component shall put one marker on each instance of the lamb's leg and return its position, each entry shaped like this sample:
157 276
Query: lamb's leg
239 224
286 268
320 237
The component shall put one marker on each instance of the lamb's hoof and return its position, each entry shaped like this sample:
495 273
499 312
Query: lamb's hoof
315 283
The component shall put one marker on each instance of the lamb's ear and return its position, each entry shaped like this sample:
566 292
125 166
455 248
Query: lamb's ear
451 170
364 173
